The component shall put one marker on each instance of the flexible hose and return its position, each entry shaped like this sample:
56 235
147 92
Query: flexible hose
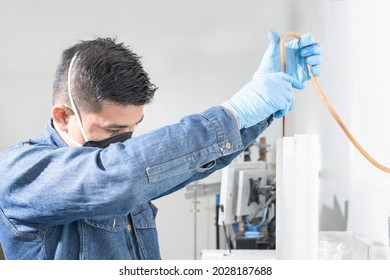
327 104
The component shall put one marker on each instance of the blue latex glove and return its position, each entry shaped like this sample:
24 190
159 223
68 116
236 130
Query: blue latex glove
298 55
270 91
263 96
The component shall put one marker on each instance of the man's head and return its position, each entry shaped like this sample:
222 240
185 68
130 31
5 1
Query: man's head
109 88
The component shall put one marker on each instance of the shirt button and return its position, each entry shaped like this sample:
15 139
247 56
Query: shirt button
129 227
228 145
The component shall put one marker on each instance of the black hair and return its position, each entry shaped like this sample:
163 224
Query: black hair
102 70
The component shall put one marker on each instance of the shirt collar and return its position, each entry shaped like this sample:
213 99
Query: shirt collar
50 135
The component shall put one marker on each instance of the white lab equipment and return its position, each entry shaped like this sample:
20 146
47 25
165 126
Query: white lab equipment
235 190
297 187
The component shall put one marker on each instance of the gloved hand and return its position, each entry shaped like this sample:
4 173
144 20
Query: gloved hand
270 91
298 55
260 98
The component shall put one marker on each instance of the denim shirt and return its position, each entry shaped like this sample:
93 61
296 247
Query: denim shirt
60 202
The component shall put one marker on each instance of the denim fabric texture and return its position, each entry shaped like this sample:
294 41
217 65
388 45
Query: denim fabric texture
60 202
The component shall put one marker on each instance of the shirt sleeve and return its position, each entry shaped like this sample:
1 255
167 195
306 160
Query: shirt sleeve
51 185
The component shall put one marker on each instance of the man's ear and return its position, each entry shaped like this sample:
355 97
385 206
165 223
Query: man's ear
60 114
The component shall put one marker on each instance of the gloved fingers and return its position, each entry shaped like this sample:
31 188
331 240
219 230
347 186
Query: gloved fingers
314 60
294 82
282 112
306 40
310 50
315 70
283 98
273 45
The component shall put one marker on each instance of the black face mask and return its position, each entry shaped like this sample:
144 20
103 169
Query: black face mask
110 140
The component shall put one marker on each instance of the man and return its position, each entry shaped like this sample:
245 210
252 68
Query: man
84 190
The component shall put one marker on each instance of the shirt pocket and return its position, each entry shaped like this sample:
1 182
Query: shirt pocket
113 224
144 217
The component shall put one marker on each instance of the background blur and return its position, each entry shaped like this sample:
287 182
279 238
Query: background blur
199 53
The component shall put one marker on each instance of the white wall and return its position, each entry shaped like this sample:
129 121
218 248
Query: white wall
355 195
199 53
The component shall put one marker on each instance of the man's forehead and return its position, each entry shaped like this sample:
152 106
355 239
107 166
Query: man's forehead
119 124
119 116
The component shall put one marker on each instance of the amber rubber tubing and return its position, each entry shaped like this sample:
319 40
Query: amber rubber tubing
327 104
